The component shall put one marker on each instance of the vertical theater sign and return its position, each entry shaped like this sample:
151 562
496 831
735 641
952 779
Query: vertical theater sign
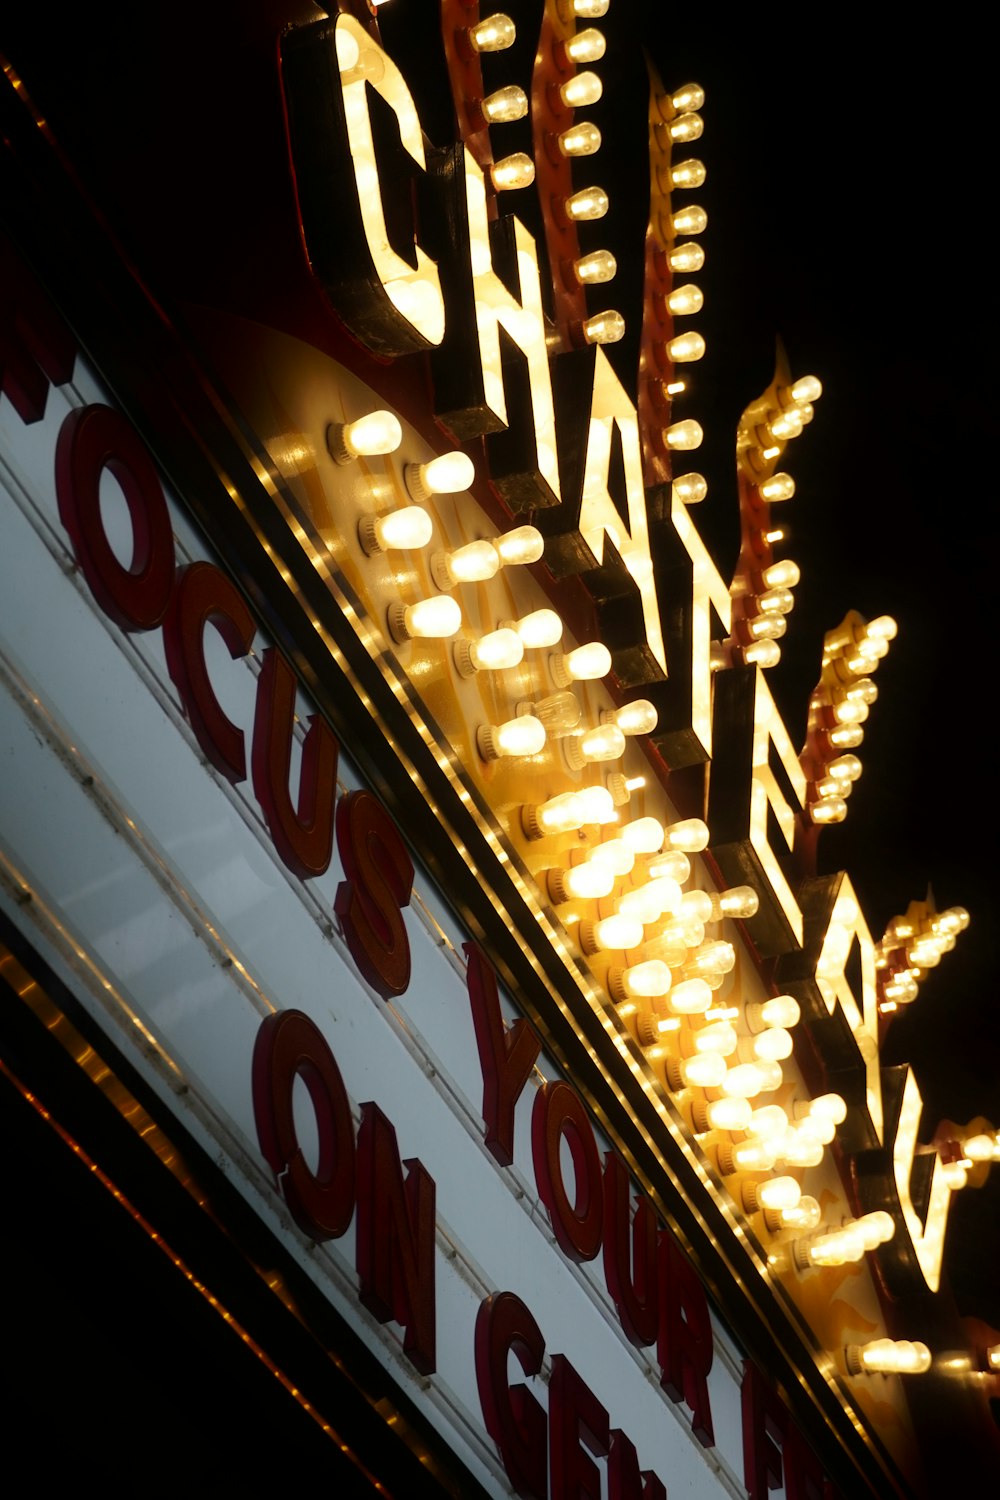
397 785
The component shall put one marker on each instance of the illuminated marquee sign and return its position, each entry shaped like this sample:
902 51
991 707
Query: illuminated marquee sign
503 525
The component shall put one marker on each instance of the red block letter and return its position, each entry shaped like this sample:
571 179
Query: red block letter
684 1348
506 1055
514 1419
575 1417
370 901
578 1226
203 593
303 836
632 1281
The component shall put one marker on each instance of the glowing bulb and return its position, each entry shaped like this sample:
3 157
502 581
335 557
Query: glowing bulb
695 906
824 1106
559 713
521 736
806 1214
876 1228
495 34
690 835
845 736
781 575
688 257
689 220
598 266
684 300
688 96
691 488
778 487
503 106
718 1037
598 805
604 327
888 1357
644 980
586 46
495 652
448 474
763 653
809 388
378 432
683 436
786 425
587 663
648 902
474 563
401 530
767 627
713 958
637 717
686 127
725 1114
514 171
542 627
780 1011
587 882
611 934
777 1194
588 203
614 853
828 810
582 139
747 1080
769 1122
428 619
563 814
691 997
686 348
770 1045
739 903
605 742
747 1156
584 89
673 863
704 1070
776 601
687 174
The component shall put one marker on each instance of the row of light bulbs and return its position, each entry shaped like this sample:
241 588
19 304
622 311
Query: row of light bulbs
839 708
911 945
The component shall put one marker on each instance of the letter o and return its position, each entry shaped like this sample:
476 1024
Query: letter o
288 1045
578 1226
92 439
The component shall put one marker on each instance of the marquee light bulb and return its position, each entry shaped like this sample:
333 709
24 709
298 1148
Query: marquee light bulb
979 1147
845 767
767 627
781 575
615 854
588 203
673 863
684 300
683 436
778 487
648 902
747 1156
687 257
542 627
505 105
747 1080
690 220
563 814
704 1070
688 96
587 663
776 601
428 619
786 425
640 981
828 810
718 1037
686 348
520 736
474 563
637 717
583 90
582 139
688 174
777 1194
378 432
690 835
598 805
804 1215
809 388
494 34
586 46
900 990
400 531
769 1122
514 171
610 934
695 906
763 654
877 1228
711 959
686 127
604 742
691 997
643 835
587 882
845 736
739 903
888 1357
798 1150
604 327
781 1011
598 266
496 652
723 1114
525 544
448 474
559 713
825 1106
691 488
883 628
